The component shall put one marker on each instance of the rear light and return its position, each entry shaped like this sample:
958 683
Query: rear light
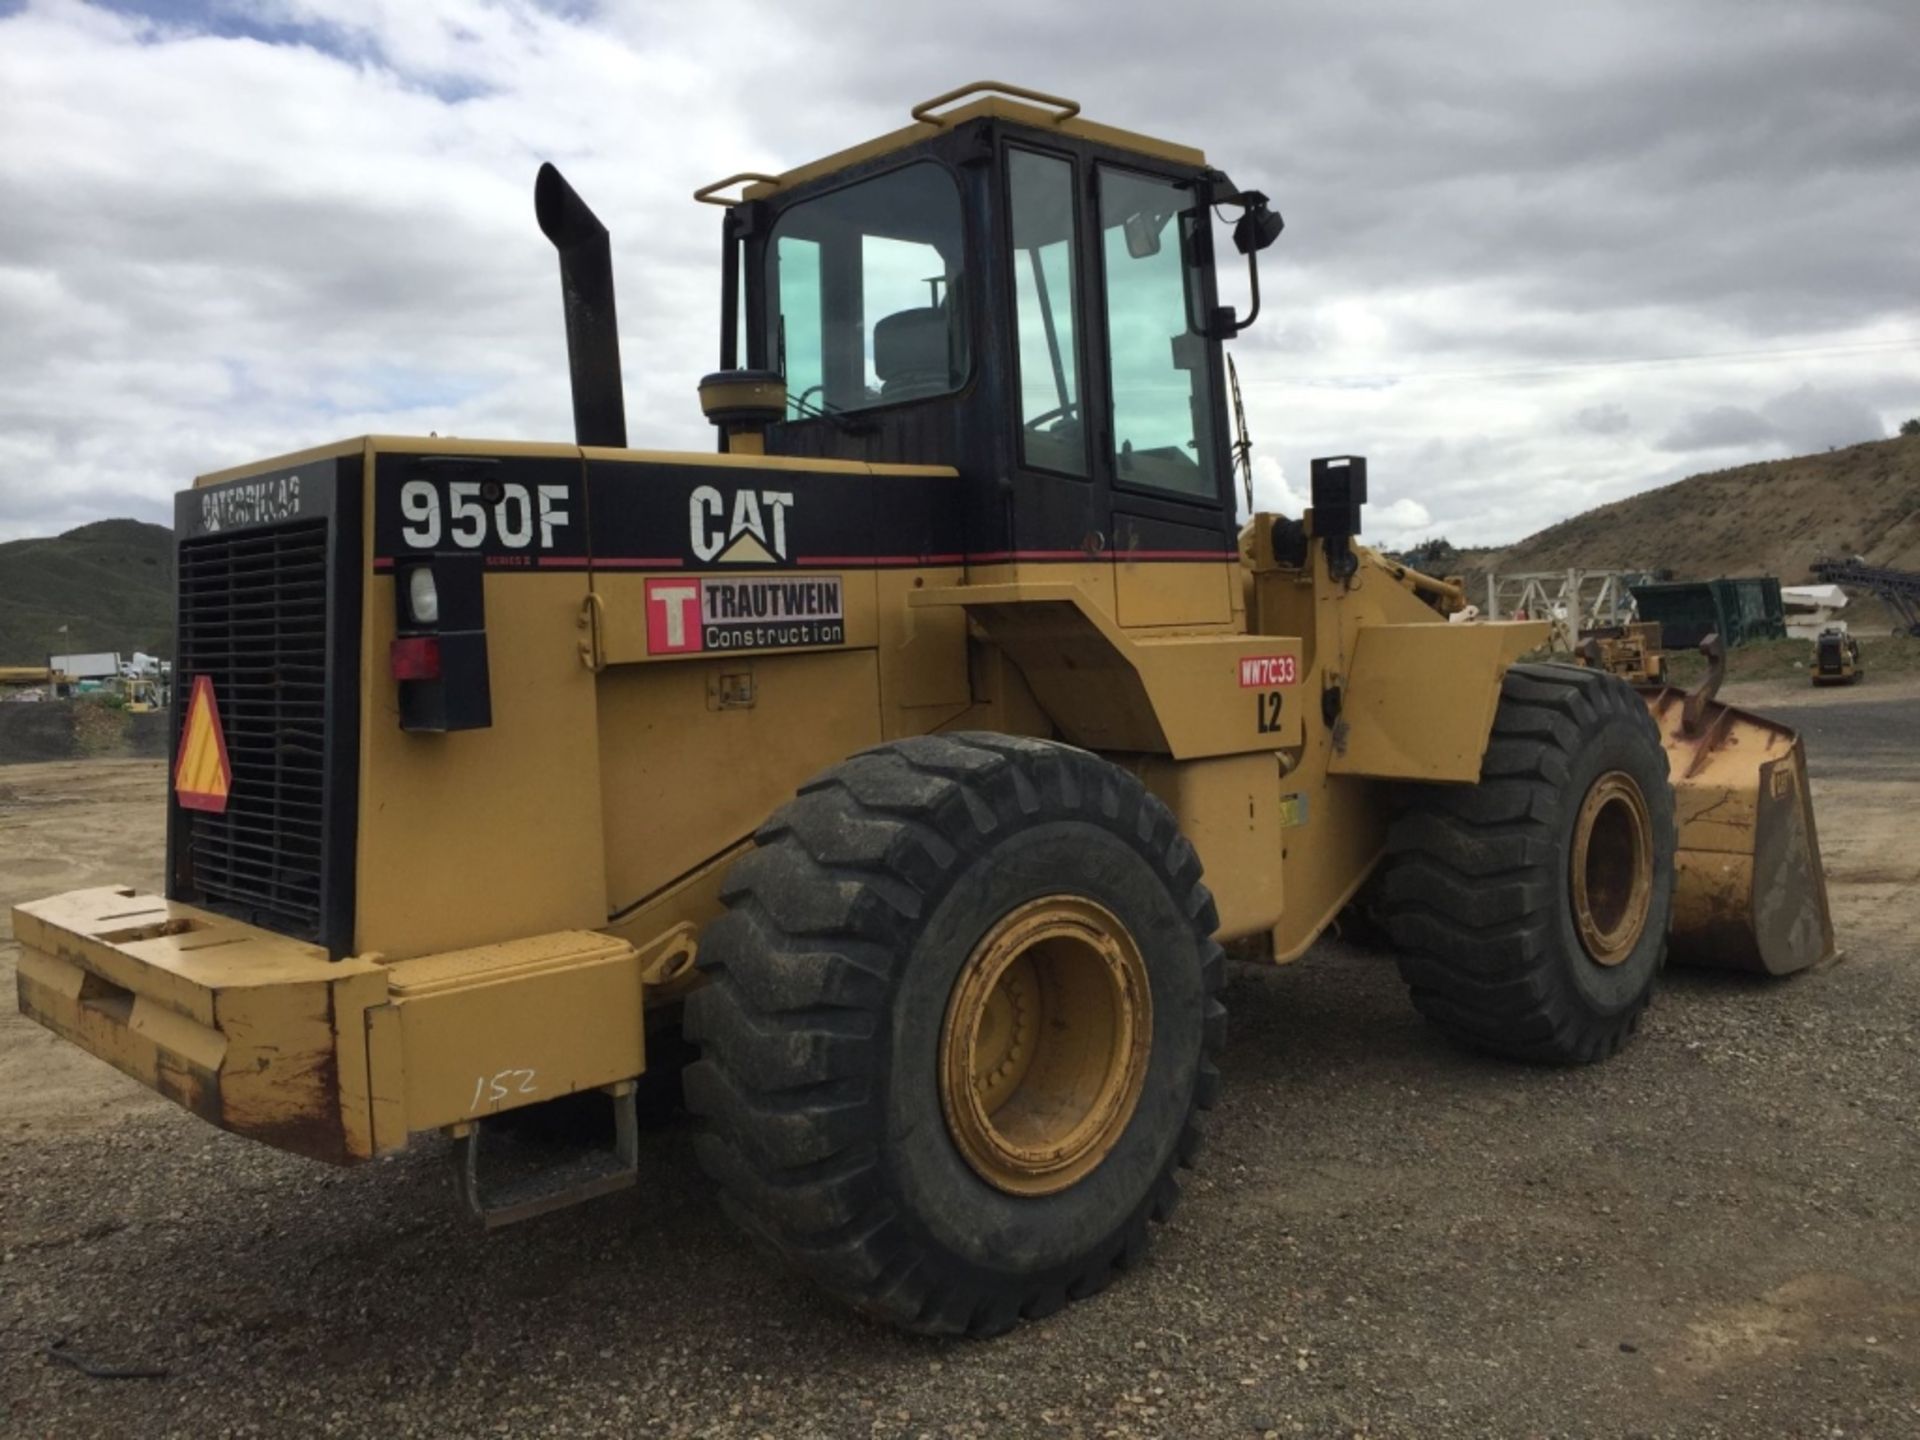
416 657
439 653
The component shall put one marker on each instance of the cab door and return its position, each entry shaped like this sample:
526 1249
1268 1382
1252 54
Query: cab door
1060 510
1161 456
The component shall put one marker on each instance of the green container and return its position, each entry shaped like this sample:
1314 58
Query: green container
1753 609
1737 610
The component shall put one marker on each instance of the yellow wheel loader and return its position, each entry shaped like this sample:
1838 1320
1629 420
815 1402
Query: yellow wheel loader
1631 651
1836 658
913 754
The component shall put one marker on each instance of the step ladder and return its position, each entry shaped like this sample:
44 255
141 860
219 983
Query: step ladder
582 1175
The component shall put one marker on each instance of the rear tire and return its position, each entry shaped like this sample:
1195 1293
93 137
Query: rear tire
871 942
1530 911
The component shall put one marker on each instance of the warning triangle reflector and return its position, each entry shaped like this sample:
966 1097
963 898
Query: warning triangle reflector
201 775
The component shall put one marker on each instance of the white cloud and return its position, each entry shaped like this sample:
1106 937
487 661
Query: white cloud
1271 489
1607 419
1718 428
1807 419
236 231
1795 423
1397 523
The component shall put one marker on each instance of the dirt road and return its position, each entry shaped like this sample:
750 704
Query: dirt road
1714 1235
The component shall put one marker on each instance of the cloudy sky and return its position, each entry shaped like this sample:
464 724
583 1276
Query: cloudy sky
1538 255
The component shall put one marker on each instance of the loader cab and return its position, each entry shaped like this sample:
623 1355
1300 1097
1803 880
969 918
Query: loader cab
1006 289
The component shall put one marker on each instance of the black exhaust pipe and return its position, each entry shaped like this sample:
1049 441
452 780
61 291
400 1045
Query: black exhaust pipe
586 293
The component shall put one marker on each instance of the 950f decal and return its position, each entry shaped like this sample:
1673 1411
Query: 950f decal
694 614
516 512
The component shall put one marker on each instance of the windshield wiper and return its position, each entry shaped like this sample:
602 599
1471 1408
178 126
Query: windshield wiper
811 410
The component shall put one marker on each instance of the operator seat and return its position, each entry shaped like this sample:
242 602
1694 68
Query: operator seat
911 354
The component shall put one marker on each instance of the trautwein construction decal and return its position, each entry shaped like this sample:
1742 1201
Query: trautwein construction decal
687 615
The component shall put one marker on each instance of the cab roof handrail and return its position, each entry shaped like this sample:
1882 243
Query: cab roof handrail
709 194
923 112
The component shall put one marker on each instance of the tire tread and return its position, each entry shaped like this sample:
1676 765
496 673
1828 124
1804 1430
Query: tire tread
800 968
1469 886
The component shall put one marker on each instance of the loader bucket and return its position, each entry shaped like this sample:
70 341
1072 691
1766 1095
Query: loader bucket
1749 891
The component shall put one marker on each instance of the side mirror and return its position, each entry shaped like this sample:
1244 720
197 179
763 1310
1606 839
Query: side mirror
1258 227
1259 224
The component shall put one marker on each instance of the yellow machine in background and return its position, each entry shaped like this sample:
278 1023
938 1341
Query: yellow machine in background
881 753
1631 651
144 693
1836 658
27 676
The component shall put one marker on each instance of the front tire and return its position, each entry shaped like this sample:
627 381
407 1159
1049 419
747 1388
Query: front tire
1530 911
959 1028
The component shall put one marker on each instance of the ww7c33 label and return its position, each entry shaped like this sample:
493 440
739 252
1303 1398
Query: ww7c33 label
1257 672
693 615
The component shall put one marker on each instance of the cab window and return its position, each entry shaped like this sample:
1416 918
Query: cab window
1040 201
1160 366
868 284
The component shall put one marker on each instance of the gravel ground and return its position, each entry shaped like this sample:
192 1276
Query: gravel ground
1714 1235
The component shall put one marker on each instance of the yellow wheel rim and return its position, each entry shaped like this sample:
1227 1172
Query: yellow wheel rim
1612 868
1044 1052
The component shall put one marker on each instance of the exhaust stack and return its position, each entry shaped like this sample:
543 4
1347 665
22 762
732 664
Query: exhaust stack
586 294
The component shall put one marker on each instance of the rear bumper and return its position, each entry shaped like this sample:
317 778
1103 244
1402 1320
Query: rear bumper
239 1025
337 1060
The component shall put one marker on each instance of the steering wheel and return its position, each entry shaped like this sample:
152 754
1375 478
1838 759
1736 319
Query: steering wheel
1059 412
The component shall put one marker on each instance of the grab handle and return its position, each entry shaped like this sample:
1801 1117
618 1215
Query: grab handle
923 112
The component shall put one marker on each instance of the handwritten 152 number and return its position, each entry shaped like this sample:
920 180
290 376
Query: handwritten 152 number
503 1085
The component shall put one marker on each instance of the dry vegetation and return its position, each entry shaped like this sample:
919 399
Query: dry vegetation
1880 655
1772 518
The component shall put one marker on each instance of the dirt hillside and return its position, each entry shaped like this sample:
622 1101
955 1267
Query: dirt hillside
104 586
1772 518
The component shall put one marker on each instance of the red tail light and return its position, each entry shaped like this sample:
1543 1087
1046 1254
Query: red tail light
416 657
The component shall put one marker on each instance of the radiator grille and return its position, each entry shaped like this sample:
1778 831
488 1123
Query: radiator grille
253 617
